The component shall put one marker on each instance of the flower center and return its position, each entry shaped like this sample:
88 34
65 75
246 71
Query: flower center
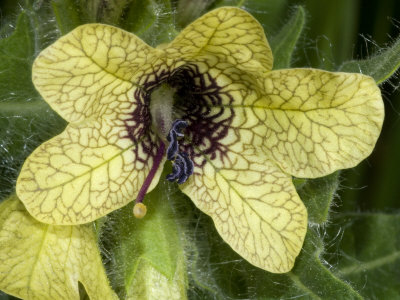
161 110
171 103
182 166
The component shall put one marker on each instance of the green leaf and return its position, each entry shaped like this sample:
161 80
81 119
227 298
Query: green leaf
310 277
148 251
189 10
16 56
67 15
151 20
380 66
103 11
369 253
41 261
284 43
232 277
25 119
317 195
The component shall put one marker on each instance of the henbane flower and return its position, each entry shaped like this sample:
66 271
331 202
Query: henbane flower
209 101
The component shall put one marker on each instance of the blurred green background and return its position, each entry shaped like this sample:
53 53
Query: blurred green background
335 32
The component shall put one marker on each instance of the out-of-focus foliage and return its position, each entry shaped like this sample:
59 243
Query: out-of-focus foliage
352 246
25 119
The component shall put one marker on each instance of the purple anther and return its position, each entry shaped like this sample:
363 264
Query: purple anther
178 125
187 163
176 171
173 146
181 169
182 166
187 167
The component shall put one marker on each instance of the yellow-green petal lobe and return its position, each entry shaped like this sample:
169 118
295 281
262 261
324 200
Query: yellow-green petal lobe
40 261
89 170
224 35
89 68
319 122
254 206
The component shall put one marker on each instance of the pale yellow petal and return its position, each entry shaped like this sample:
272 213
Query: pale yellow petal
310 122
254 206
319 122
253 203
40 261
224 35
89 170
90 67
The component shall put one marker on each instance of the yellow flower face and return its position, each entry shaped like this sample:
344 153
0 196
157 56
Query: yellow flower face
209 101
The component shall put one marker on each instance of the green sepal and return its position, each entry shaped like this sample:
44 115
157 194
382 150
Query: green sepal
67 15
380 66
151 20
283 44
317 195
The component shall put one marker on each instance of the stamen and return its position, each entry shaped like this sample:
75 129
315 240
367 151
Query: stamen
173 146
188 163
178 125
186 167
182 166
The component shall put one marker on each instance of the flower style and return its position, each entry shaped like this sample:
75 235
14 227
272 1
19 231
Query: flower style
235 130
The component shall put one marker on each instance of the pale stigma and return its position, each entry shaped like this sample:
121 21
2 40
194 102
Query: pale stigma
161 102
